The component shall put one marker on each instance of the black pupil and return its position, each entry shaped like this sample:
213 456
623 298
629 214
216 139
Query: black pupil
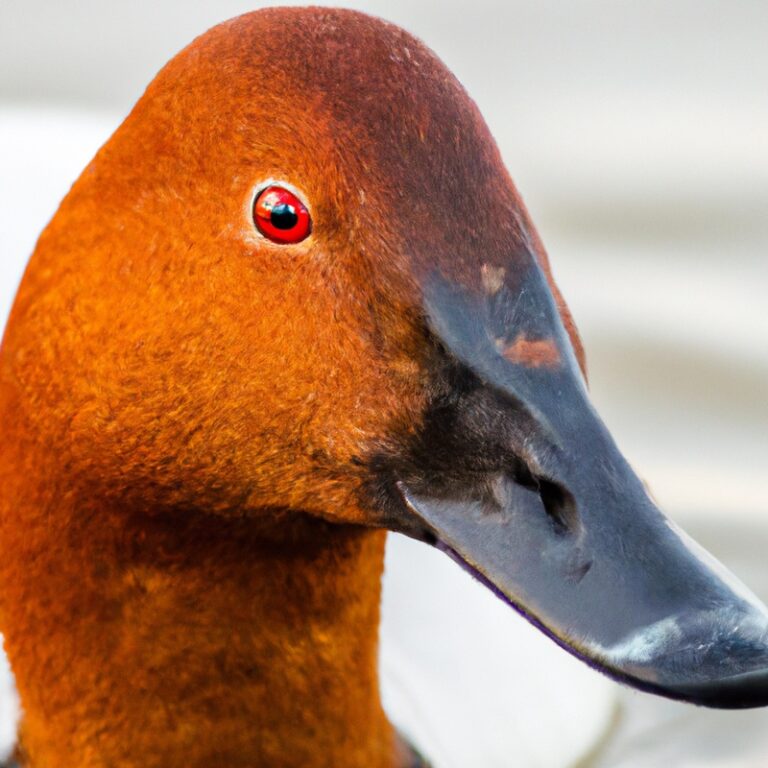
284 216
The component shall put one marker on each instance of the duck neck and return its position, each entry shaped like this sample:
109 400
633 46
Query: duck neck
198 642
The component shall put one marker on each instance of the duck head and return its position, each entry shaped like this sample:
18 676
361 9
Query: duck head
299 282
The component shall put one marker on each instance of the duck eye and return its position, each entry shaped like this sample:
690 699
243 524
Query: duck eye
280 216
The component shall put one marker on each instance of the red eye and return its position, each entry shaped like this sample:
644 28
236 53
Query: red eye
281 216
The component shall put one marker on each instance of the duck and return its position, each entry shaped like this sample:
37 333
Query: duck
293 303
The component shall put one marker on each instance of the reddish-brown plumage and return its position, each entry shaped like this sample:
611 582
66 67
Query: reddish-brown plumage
184 579
533 353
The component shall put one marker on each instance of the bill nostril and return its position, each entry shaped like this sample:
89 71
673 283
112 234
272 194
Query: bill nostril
559 505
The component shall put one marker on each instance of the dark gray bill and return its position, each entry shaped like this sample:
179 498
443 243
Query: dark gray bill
517 479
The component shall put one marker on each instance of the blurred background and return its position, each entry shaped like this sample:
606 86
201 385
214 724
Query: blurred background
638 135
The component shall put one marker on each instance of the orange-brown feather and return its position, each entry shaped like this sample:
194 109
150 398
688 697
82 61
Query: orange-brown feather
183 403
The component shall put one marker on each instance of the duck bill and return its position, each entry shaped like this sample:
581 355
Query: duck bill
517 479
